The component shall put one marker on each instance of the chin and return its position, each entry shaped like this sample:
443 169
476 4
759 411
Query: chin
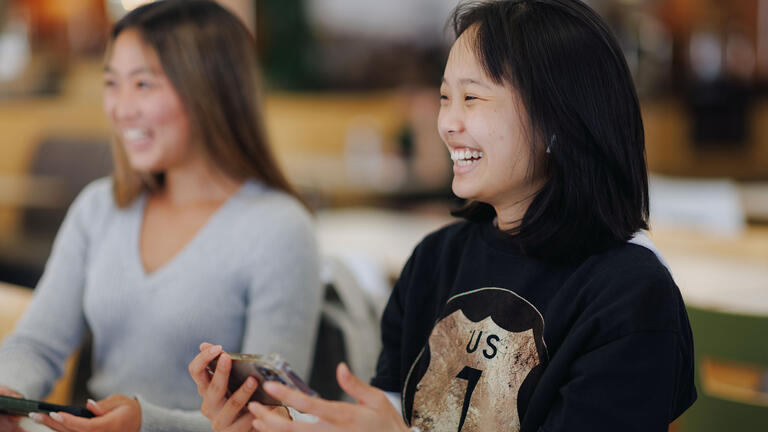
145 165
462 191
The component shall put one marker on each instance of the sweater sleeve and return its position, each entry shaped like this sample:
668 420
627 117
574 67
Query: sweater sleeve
284 295
155 418
33 356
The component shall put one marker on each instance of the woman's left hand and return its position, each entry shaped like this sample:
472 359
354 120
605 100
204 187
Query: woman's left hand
117 413
372 413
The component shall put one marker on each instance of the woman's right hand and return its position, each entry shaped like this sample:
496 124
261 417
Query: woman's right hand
9 423
225 414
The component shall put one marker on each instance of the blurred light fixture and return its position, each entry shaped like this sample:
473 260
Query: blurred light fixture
705 55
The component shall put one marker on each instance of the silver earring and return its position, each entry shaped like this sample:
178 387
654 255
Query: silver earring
551 143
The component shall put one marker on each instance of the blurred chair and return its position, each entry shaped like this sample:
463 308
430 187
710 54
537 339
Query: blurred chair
349 326
731 357
69 164
13 303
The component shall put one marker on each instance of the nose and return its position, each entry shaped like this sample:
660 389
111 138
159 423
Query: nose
121 105
450 120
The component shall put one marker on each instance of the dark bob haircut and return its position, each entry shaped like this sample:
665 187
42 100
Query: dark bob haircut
573 80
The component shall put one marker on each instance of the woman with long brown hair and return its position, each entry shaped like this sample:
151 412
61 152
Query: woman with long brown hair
197 236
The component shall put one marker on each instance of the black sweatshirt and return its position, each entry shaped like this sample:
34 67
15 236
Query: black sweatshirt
479 337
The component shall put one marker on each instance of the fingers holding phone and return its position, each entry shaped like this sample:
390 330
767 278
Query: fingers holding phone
8 422
115 413
227 382
225 413
198 367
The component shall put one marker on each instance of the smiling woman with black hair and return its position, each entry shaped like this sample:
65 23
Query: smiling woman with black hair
547 309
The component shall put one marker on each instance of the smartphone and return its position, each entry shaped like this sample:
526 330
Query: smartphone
22 407
264 368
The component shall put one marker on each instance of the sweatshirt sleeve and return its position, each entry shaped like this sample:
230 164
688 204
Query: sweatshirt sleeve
627 363
628 384
388 367
33 356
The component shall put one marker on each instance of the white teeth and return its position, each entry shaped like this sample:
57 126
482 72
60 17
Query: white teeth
465 156
135 134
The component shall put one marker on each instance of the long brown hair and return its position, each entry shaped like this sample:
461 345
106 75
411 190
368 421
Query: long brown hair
209 57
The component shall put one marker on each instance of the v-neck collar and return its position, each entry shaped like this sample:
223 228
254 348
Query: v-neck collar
177 259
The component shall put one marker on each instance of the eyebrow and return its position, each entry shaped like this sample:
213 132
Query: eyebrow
136 71
465 81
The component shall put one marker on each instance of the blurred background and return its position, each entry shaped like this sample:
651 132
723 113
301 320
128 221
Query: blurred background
351 109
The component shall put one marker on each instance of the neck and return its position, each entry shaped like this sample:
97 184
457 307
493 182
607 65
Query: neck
197 182
510 215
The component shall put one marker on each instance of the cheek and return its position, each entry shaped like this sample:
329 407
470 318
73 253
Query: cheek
169 113
483 131
108 105
441 126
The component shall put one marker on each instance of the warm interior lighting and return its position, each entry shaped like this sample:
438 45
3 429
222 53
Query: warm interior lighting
745 383
133 4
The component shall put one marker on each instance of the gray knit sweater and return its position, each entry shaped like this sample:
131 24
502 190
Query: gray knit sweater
248 280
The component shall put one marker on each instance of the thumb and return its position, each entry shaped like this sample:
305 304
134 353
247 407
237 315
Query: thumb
105 405
95 408
362 392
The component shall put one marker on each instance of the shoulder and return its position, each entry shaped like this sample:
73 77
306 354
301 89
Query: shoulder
437 249
96 195
94 203
630 287
451 235
629 263
265 213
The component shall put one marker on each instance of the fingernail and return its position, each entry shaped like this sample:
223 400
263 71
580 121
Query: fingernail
93 402
37 417
214 349
344 368
57 416
271 387
250 383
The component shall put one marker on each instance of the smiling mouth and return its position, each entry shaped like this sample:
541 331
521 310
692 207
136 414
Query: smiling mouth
466 157
135 134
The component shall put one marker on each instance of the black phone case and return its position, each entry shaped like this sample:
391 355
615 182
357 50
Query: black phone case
22 407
